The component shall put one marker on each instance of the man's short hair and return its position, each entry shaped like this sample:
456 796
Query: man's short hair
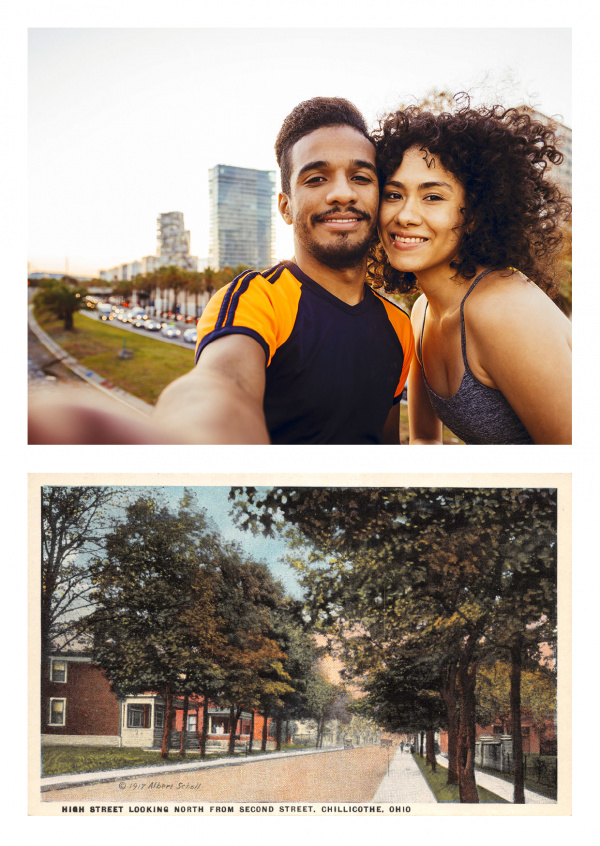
308 116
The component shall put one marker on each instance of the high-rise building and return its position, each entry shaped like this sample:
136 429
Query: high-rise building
242 217
173 248
174 242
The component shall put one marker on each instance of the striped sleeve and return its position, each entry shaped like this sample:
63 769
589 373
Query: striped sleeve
250 305
403 328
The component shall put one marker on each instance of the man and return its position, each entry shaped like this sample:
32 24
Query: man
304 352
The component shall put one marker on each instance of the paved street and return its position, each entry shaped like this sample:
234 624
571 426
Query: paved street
324 775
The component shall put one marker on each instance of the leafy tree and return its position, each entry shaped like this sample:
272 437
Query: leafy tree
155 625
62 297
74 520
322 696
252 662
451 573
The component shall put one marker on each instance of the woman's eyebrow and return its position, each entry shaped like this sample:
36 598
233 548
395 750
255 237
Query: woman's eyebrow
424 186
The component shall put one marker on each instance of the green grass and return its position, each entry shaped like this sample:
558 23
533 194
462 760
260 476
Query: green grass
449 792
96 345
57 760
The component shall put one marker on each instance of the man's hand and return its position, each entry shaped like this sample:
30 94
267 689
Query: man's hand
219 402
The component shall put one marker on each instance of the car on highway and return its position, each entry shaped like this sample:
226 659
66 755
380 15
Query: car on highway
190 336
171 331
152 324
139 321
106 315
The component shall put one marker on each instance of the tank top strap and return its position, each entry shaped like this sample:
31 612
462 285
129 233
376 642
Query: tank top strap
463 336
420 349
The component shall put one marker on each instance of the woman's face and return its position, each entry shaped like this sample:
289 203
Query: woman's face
420 218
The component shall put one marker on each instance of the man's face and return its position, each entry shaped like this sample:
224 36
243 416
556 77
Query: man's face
333 197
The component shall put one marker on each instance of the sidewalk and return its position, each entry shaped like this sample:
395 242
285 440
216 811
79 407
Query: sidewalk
74 779
87 376
502 788
404 783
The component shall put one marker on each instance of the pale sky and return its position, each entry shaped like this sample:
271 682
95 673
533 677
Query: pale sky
124 124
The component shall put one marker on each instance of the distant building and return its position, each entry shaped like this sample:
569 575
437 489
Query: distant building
242 217
563 172
173 248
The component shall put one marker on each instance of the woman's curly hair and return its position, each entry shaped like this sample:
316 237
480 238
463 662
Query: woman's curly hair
513 211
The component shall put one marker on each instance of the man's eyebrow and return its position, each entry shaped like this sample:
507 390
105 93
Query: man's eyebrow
424 186
322 165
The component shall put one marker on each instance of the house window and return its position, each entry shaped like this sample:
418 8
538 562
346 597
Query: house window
137 716
159 718
58 671
57 712
192 722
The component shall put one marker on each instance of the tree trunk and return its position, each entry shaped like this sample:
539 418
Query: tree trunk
278 734
204 731
449 697
466 677
265 728
421 742
515 717
186 703
164 749
430 748
251 732
232 728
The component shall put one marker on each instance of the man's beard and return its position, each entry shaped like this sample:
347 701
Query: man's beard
340 254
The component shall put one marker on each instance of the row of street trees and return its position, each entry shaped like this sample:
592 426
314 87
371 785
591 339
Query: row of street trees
64 297
174 283
166 605
433 594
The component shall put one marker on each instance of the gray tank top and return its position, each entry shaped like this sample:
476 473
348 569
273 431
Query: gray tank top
476 413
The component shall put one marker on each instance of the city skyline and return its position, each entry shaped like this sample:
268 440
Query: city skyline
126 124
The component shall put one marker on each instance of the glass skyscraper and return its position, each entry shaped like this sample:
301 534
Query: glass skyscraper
242 217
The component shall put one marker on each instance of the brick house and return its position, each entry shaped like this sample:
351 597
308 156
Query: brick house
537 738
79 707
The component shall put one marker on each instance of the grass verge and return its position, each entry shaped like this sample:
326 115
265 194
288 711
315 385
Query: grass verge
59 760
449 792
96 345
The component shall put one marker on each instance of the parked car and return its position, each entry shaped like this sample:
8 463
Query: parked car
190 336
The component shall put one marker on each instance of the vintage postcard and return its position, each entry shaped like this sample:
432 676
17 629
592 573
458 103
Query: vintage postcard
296 645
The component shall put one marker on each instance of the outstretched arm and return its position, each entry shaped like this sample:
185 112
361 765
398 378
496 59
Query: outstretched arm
221 400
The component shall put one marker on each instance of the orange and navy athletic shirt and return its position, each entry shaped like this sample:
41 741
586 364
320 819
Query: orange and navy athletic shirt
333 370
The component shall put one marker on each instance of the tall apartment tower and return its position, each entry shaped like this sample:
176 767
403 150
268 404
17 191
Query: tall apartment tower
174 242
242 217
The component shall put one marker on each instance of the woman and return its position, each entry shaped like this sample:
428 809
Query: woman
469 214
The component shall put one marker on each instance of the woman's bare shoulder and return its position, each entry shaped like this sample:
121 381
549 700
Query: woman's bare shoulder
504 298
